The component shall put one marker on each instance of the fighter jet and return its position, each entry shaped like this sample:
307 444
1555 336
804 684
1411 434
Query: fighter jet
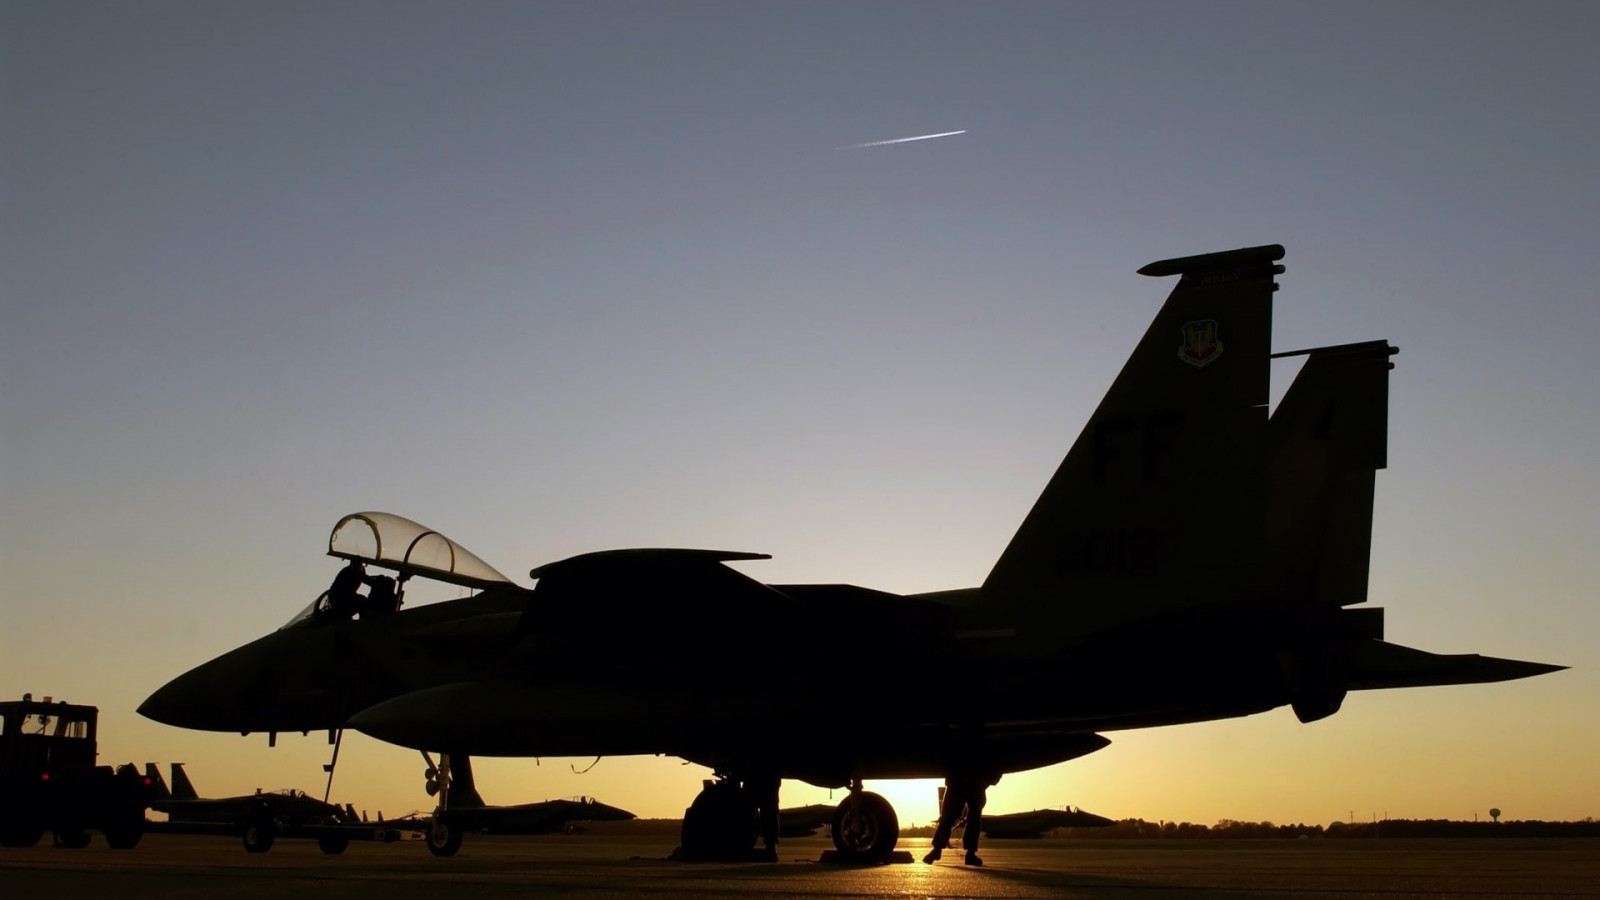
1035 823
464 810
1193 558
804 821
257 817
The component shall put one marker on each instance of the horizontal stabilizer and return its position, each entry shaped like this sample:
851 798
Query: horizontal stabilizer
1380 664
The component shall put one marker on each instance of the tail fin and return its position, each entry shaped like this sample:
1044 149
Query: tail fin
181 788
463 787
1327 438
158 785
1160 504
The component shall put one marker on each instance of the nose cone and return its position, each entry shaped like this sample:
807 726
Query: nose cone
180 702
266 685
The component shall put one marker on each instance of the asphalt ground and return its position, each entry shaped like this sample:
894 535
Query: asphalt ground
604 866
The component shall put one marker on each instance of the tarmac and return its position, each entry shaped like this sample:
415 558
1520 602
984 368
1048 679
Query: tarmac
178 867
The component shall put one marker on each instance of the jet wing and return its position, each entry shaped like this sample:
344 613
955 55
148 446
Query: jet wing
642 558
645 602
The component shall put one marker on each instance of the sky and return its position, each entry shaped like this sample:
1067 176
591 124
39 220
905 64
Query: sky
561 277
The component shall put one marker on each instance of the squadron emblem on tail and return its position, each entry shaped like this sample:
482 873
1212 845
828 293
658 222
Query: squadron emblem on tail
1200 344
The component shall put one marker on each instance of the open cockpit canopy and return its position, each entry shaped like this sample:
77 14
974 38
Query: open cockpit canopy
388 541
395 542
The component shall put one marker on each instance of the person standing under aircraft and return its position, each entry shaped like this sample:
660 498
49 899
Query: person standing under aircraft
968 794
763 789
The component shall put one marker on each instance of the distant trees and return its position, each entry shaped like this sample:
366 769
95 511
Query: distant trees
1384 828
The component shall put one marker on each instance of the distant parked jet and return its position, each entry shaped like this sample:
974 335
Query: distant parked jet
1035 823
256 817
464 810
804 821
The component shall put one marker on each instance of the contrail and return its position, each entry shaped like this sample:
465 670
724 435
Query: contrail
904 140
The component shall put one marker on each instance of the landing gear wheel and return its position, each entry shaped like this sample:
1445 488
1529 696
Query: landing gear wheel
720 824
20 833
865 828
333 844
444 837
72 839
258 836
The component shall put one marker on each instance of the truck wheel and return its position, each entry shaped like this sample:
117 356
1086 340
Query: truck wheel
20 833
333 845
125 836
258 837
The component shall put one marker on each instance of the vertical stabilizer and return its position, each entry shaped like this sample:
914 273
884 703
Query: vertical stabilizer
181 788
158 785
463 786
1328 437
1160 503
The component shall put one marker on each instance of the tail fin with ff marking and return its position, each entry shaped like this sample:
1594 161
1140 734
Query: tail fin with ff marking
1160 504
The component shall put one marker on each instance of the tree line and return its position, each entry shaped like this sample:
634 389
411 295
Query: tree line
1382 828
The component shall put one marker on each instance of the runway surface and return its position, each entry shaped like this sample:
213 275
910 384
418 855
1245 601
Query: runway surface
590 866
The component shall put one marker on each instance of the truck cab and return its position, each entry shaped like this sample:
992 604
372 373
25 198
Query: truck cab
49 780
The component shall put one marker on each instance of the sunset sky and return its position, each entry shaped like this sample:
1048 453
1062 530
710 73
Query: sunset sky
561 277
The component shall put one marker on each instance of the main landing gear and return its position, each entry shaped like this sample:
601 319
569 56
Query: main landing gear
727 815
720 824
865 827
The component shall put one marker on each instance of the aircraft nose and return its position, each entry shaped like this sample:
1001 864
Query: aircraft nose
250 689
182 702
612 813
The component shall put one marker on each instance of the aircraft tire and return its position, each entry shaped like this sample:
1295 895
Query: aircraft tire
444 838
333 844
72 838
865 828
720 824
20 832
258 837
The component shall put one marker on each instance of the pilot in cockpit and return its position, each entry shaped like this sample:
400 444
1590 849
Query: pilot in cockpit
344 599
382 597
